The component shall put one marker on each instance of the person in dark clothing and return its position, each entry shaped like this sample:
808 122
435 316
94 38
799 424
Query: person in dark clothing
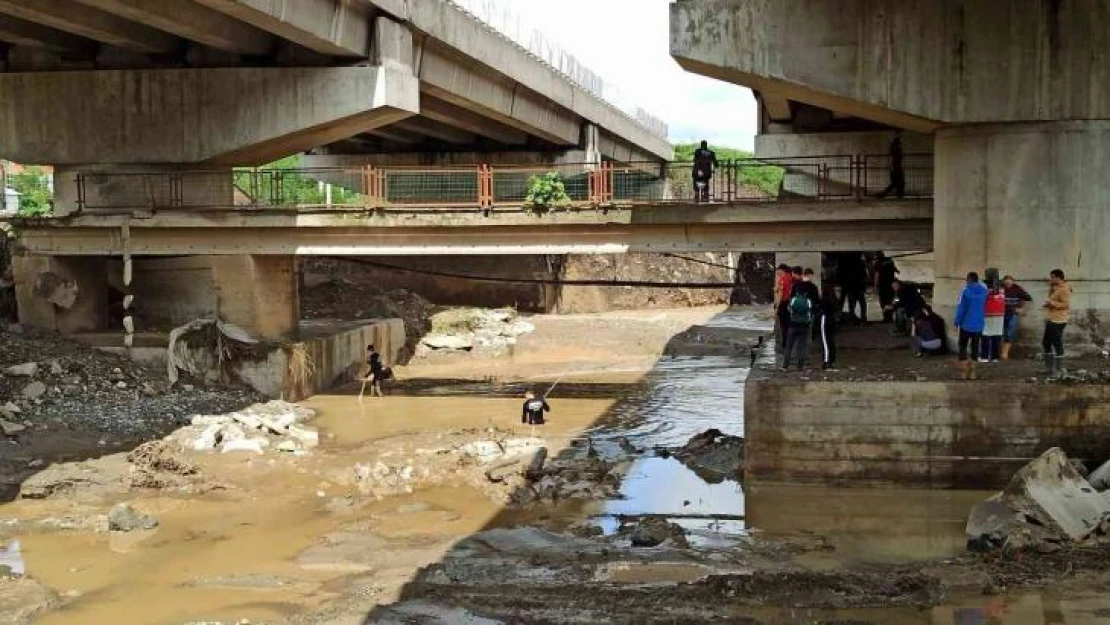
907 302
886 272
927 341
830 309
784 285
802 310
377 372
851 274
534 407
705 163
1016 300
806 287
897 184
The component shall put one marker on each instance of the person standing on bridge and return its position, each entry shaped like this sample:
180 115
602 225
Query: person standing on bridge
897 184
705 163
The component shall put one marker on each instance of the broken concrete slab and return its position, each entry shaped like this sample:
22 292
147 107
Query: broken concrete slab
1099 479
8 428
27 370
34 390
1050 491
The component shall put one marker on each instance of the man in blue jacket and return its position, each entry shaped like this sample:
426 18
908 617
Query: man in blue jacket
970 319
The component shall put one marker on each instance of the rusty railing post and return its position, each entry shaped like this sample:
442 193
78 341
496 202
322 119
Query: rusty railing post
485 187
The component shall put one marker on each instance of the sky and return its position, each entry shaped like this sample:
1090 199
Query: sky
627 43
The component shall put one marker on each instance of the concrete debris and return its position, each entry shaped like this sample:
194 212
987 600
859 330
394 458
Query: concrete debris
1046 502
11 560
448 342
256 427
713 455
1100 477
27 370
256 445
56 289
7 428
34 390
654 531
466 329
123 518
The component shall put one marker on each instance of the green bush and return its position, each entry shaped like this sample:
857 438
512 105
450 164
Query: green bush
35 198
545 193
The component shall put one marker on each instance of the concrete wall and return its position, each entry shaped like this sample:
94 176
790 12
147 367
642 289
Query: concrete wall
124 188
331 357
258 293
89 310
944 434
1027 198
911 64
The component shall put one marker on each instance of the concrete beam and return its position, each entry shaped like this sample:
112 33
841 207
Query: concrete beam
436 130
534 239
448 24
396 135
214 116
447 113
914 65
333 27
445 159
189 20
23 33
92 24
777 107
463 83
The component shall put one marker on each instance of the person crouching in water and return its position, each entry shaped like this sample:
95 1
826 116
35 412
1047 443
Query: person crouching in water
534 407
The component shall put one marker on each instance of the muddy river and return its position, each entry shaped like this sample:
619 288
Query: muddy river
285 539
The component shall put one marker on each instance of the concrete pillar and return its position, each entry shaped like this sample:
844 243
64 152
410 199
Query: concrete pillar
62 294
258 293
592 143
1027 198
128 188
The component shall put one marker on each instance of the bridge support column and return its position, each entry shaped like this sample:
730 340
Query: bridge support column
1027 198
258 293
66 294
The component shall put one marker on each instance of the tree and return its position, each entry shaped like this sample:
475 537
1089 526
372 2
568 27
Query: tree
35 199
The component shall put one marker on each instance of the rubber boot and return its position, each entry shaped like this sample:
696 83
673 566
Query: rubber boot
1050 364
1004 352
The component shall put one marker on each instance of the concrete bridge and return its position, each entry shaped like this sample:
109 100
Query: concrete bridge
180 84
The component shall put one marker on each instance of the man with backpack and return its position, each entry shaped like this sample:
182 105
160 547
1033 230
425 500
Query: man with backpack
705 162
801 309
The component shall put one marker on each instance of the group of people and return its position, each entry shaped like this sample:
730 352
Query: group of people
987 320
802 311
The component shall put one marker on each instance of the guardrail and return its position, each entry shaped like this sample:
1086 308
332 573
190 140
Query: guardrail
488 187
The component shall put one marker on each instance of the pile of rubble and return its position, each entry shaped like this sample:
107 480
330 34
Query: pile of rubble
49 381
1046 505
510 470
470 329
277 425
713 455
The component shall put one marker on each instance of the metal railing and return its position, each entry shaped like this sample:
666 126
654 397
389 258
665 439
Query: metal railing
489 187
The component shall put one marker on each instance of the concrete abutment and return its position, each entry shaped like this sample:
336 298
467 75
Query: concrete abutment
1027 198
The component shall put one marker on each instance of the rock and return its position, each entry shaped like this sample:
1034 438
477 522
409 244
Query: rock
25 370
11 558
713 455
11 408
121 384
211 420
306 436
7 428
654 531
251 445
287 446
1099 479
448 342
34 390
56 368
207 439
124 518
1079 467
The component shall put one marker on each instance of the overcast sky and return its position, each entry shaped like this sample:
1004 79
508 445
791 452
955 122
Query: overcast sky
626 42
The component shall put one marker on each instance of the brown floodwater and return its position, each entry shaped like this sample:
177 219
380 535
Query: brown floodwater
273 545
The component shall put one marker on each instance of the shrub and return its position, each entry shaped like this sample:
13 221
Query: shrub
545 193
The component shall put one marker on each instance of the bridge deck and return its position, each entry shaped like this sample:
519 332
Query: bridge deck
668 227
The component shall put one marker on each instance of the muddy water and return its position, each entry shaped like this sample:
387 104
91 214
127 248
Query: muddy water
272 544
